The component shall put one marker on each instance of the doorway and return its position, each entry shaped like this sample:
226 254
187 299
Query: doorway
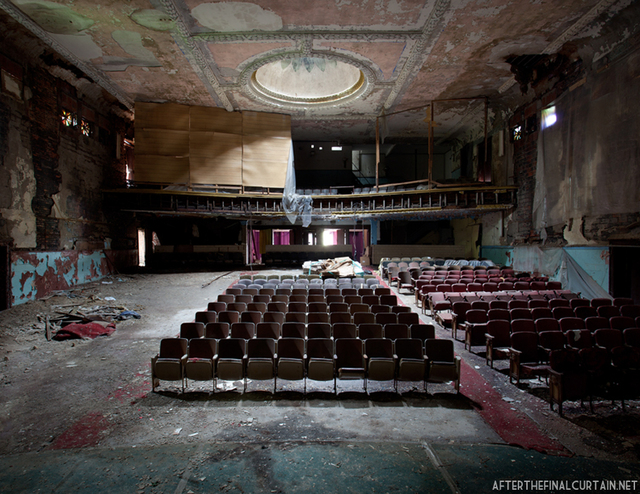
624 268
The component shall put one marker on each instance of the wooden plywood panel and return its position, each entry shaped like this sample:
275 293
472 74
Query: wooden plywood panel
266 124
215 120
265 161
161 169
169 116
162 142
216 158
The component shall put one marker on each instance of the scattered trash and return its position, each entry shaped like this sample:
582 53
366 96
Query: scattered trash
177 431
127 314
508 400
110 299
107 282
194 434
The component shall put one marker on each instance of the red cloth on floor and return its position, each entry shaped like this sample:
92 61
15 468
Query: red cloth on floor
83 331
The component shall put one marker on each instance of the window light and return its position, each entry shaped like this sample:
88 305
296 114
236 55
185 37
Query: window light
549 117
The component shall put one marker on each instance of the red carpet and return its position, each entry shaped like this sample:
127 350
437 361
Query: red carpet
513 426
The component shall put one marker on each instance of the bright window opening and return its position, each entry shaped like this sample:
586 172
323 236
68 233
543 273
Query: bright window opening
549 117
330 237
141 247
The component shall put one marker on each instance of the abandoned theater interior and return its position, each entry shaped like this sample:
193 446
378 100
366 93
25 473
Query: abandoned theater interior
272 246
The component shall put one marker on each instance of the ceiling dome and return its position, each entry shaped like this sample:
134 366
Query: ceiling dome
307 81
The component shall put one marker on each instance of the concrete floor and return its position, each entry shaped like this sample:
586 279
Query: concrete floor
94 424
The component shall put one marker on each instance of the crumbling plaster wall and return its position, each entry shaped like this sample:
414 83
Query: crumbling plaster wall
17 180
51 181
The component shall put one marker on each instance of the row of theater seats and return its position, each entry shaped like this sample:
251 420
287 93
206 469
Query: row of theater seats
296 258
296 329
443 301
296 359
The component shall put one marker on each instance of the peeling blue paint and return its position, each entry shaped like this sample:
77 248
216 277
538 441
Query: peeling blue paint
36 274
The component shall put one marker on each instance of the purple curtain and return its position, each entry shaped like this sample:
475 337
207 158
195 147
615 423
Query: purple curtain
255 246
357 243
281 238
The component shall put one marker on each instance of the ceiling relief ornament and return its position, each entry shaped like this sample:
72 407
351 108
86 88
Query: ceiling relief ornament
295 82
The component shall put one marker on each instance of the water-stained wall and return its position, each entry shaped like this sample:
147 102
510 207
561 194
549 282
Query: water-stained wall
58 150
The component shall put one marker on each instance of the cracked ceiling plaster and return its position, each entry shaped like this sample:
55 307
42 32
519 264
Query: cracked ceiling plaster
410 51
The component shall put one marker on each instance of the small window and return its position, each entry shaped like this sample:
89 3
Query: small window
549 117
516 133
69 119
86 128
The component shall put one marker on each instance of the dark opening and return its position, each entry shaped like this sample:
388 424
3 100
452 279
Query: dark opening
624 269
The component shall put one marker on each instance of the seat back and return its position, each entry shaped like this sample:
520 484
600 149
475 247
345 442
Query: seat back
597 322
608 338
498 314
293 329
500 329
232 348
217 330
541 313
202 348
370 330
344 330
190 330
173 348
273 317
621 323
394 331
244 330
349 353
527 343
551 340
291 348
319 330
206 316
523 325
569 323
364 318
268 330
520 313
408 318
547 324
439 350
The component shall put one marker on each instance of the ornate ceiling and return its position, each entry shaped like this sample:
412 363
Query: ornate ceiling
334 65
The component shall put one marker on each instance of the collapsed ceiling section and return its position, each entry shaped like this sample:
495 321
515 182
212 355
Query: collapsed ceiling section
333 66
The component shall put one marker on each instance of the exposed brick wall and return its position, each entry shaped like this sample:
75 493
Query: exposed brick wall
43 114
525 160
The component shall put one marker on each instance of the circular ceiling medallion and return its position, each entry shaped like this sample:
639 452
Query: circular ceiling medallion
304 81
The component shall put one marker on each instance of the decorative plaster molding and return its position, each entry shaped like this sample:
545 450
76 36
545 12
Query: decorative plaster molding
95 74
420 51
194 54
295 36
569 34
247 87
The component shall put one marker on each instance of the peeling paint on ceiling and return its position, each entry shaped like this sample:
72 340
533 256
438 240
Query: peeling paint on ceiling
236 16
203 53
54 18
